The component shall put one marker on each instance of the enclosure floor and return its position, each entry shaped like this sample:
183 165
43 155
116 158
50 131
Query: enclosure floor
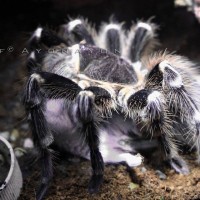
71 179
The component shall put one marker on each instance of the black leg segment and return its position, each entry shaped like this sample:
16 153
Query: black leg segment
42 135
87 116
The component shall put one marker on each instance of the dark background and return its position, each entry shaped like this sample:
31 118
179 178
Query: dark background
20 17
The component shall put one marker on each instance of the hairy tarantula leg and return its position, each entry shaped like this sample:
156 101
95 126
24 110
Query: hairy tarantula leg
139 38
94 103
41 134
32 65
165 77
177 93
40 85
53 86
77 30
43 41
85 101
130 171
150 109
175 160
104 101
46 37
180 102
110 37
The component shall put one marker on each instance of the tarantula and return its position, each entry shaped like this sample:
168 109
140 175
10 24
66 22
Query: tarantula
89 91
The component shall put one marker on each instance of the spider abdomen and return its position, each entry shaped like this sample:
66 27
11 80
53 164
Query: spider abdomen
66 128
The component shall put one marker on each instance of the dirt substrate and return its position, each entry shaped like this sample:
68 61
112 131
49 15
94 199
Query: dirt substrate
71 179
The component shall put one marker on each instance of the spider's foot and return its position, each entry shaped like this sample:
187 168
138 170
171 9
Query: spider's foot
42 192
179 165
95 183
161 175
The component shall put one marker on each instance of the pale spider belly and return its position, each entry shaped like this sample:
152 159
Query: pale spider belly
114 145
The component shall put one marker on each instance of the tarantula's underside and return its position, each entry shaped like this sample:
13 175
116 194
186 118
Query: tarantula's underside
91 94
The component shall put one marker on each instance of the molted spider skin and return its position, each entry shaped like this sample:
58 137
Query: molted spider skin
98 103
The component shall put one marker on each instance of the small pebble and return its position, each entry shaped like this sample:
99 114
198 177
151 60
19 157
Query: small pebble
143 169
189 183
172 188
19 153
180 187
5 134
161 175
25 126
171 171
169 188
28 143
193 182
14 135
133 186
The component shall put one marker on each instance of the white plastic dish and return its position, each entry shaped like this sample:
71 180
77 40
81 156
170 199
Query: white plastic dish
11 180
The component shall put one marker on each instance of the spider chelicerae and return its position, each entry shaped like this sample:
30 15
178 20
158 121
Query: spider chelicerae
92 93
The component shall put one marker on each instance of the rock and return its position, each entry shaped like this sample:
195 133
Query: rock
5 134
14 135
180 187
133 186
171 171
161 175
28 143
143 169
19 152
189 183
25 127
169 188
